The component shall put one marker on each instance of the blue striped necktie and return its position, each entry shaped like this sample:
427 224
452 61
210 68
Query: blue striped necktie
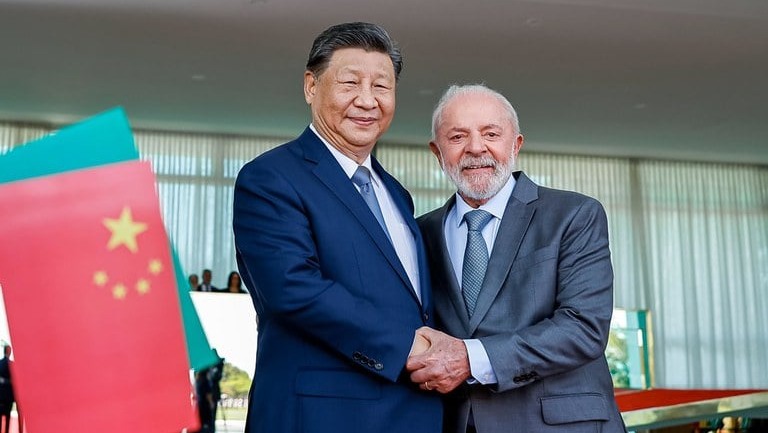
362 178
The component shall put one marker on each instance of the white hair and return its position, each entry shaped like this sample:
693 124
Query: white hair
456 90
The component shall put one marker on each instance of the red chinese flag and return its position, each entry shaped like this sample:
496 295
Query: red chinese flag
91 302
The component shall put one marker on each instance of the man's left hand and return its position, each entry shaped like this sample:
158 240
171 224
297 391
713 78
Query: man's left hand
444 366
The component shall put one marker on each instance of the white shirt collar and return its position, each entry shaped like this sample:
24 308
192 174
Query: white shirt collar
347 164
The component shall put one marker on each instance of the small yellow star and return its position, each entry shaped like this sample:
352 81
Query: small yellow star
100 278
155 266
124 231
142 286
119 291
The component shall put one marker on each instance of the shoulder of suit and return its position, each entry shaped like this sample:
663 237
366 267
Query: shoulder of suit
430 217
273 159
565 196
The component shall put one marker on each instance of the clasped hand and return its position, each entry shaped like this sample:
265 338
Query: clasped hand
437 361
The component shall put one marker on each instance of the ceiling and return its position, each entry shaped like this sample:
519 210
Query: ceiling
670 79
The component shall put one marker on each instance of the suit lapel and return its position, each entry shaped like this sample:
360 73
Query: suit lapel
448 297
514 223
329 172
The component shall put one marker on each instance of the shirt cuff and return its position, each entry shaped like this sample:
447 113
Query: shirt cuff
479 364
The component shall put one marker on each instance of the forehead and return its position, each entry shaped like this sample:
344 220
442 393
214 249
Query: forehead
359 60
474 110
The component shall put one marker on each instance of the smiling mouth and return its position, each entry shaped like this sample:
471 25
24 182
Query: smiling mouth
363 120
478 167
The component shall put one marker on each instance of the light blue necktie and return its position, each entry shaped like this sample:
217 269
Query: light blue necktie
362 178
475 258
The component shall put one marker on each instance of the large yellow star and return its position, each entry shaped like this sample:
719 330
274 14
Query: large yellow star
124 231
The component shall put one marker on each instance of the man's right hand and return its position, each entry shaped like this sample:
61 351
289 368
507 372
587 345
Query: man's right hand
443 366
420 345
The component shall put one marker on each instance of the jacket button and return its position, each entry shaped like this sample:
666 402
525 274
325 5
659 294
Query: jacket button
426 317
379 366
356 356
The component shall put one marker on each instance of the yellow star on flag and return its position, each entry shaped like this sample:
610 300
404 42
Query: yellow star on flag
100 278
142 286
155 266
124 231
119 291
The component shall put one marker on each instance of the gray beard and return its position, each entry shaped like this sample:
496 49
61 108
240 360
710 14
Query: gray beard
480 187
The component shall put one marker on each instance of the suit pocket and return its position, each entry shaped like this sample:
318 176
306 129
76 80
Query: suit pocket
564 409
338 384
538 256
338 401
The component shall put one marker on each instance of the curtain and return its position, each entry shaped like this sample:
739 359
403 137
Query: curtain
195 178
689 241
705 258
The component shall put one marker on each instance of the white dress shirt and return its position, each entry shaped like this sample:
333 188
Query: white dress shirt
399 232
455 230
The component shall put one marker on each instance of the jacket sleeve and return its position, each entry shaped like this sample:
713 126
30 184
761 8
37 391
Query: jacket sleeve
576 331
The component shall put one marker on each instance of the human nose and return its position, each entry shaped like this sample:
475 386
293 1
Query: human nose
365 98
475 144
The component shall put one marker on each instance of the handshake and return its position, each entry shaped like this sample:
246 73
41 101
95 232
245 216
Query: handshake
437 361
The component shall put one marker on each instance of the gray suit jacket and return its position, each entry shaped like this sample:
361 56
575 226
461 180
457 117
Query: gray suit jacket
542 315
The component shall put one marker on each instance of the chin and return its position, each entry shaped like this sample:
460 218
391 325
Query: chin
364 139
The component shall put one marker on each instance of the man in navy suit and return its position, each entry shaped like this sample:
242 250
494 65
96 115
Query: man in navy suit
522 277
327 241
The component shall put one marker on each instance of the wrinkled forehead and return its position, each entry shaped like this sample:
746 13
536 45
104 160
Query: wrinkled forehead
474 112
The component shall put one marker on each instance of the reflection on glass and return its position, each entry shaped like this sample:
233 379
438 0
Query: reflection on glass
629 351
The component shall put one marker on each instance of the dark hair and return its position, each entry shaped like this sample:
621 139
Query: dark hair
370 37
232 275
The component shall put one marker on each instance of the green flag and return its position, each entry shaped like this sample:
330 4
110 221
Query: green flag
103 139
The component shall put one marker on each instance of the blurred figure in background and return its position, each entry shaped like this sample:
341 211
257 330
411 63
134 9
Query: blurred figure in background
204 401
215 373
234 283
6 390
206 285
193 281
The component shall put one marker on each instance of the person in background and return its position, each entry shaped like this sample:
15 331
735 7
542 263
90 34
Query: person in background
327 245
193 282
7 397
204 401
234 283
214 374
206 285
522 280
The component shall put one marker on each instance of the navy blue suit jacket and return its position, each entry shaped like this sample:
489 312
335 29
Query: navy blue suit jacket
336 310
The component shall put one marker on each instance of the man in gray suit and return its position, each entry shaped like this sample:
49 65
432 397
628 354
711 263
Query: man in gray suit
522 282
